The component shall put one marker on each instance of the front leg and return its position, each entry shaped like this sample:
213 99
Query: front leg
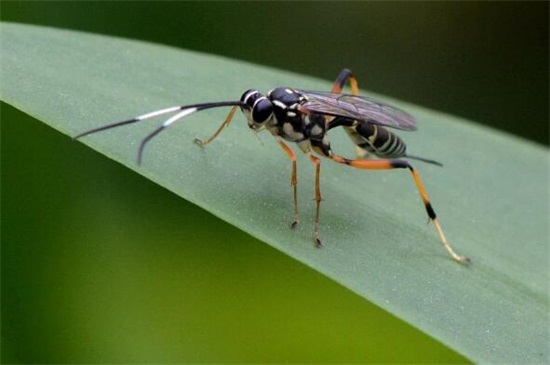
204 142
293 179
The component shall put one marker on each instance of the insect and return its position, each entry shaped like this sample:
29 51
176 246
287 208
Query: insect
304 118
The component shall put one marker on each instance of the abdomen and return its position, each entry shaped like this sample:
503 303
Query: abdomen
376 139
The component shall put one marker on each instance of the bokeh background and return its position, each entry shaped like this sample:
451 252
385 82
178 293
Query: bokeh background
100 265
485 61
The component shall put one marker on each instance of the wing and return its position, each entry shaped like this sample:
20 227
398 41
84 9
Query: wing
358 108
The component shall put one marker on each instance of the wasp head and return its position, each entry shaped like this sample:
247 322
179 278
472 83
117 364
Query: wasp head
258 109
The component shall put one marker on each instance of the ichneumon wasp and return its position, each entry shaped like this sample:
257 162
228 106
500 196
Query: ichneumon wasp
304 118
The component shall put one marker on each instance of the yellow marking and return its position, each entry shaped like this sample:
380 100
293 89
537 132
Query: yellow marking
361 153
372 138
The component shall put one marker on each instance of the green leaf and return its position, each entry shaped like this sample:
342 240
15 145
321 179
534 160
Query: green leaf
492 196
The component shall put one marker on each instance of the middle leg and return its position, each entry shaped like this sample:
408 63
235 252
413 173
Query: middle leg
317 162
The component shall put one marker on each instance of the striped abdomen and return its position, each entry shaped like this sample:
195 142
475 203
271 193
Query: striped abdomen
372 138
377 140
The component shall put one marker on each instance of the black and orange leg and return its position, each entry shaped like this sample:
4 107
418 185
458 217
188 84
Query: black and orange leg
344 77
317 162
204 142
293 179
402 164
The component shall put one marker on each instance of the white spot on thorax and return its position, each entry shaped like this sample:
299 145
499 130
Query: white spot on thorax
291 133
316 130
305 146
279 103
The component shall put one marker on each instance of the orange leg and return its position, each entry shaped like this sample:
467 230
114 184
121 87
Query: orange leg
293 179
345 76
204 142
396 164
318 199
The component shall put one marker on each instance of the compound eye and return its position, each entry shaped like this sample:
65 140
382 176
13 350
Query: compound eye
262 110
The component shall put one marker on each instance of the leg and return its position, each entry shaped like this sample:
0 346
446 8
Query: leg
293 179
396 164
204 142
318 198
345 76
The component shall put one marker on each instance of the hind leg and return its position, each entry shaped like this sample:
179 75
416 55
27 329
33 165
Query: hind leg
344 77
402 164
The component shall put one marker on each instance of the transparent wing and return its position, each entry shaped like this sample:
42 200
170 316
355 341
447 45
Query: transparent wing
358 108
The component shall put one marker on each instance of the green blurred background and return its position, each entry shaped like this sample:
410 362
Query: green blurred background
102 266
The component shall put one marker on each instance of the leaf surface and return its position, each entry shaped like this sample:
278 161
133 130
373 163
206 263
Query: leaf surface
492 196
